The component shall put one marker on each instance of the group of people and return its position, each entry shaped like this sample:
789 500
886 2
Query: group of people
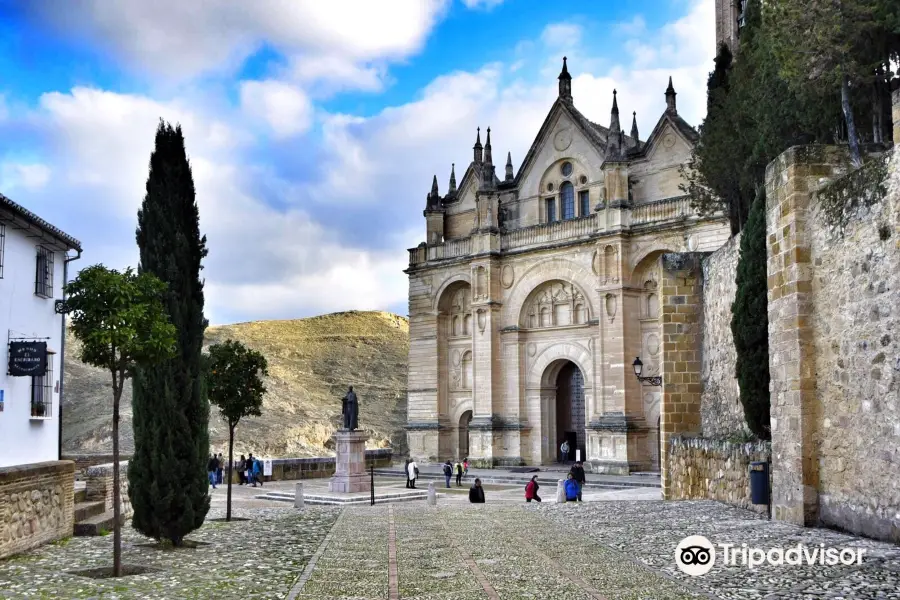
460 468
249 470
575 480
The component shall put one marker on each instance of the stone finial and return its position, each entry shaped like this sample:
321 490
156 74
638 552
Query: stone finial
634 129
488 157
565 83
509 167
670 98
452 189
434 186
477 147
614 138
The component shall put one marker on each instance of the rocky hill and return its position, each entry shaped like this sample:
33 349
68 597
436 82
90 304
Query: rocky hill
311 363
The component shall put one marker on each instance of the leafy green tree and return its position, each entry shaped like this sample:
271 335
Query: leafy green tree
234 380
121 323
750 323
169 487
828 45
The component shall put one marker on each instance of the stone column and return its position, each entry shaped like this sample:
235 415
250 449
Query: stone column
350 463
681 297
789 180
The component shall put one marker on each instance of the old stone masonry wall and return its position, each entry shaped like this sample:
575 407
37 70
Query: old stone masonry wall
721 413
36 505
704 469
855 255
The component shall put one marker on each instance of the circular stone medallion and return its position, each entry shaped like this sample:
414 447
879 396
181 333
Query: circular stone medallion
507 276
563 139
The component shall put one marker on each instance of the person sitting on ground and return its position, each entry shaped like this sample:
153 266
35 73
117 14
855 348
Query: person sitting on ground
531 490
458 469
476 493
572 489
579 477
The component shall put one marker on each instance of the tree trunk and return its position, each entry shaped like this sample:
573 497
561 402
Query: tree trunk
852 136
230 463
117 527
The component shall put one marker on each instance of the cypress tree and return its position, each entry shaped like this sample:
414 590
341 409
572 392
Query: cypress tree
167 476
750 322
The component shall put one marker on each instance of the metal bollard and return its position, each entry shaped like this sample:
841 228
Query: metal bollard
298 496
561 492
432 496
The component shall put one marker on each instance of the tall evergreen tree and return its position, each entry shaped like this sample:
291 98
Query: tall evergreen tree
167 475
750 323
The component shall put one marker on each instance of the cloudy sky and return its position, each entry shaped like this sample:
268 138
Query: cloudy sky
313 127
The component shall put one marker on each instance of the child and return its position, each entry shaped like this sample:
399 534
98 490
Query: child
465 466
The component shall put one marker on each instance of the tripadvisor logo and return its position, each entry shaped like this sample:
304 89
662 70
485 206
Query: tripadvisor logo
695 555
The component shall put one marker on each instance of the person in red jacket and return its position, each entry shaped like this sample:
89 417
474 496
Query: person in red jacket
531 490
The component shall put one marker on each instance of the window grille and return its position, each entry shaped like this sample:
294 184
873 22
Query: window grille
567 194
584 198
42 391
551 209
43 281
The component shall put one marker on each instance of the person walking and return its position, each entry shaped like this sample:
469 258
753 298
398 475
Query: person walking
459 473
564 450
241 467
448 472
257 472
406 470
220 470
476 493
248 469
531 490
412 471
211 467
465 466
577 472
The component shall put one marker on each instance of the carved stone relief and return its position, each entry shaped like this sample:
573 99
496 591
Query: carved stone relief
610 265
556 304
507 276
460 314
611 302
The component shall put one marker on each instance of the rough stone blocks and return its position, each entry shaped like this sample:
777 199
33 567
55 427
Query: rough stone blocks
350 463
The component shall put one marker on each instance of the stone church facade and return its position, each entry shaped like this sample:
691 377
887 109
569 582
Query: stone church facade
533 294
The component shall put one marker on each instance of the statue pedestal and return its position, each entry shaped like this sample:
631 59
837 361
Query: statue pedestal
350 463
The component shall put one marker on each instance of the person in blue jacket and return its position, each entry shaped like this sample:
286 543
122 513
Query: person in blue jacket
572 489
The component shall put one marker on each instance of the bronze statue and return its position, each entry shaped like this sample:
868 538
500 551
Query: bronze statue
350 411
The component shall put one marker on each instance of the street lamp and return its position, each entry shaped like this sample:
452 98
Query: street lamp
638 367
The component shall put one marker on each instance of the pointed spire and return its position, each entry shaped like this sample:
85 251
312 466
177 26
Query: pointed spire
434 187
477 147
614 138
509 167
670 98
433 199
452 189
565 83
488 157
634 129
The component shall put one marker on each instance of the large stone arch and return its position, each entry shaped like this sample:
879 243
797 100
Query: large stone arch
656 247
442 288
548 270
538 369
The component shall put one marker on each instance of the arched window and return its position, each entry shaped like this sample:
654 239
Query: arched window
567 195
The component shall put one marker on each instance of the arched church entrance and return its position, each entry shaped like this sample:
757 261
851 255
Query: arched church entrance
565 420
464 421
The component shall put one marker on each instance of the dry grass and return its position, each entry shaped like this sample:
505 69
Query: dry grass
311 363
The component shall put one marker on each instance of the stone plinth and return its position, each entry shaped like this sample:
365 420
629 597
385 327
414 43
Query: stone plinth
350 463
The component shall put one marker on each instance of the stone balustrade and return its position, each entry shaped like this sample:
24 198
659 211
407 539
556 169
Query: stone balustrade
545 233
705 469
37 505
662 210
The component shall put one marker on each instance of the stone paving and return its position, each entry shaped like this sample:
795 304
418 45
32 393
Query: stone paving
615 549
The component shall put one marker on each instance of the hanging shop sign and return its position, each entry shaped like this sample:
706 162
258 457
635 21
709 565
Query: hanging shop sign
27 359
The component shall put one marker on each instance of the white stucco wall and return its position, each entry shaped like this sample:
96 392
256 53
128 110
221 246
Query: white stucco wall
22 314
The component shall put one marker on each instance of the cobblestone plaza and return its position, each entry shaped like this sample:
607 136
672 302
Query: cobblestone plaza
608 548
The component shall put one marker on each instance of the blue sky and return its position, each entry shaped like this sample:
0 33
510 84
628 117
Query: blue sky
314 128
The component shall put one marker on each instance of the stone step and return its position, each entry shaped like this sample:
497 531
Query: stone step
549 480
341 501
80 494
86 510
97 524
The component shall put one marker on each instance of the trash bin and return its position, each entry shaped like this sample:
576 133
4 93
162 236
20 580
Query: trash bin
759 482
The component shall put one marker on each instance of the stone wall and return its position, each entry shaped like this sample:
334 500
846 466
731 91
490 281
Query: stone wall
834 346
704 469
36 505
85 460
99 486
721 413
321 467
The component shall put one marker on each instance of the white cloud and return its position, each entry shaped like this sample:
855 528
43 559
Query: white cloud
285 108
561 35
336 73
482 4
15 176
636 26
177 39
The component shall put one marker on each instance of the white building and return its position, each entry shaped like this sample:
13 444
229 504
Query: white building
33 267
